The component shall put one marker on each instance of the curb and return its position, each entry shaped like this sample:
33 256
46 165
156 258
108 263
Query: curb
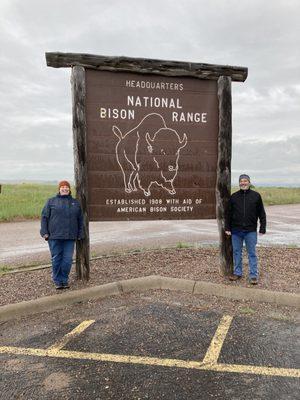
154 282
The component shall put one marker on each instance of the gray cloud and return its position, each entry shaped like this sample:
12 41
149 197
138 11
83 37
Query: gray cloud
35 101
268 162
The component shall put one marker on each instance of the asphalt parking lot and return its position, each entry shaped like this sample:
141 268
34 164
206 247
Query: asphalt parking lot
142 348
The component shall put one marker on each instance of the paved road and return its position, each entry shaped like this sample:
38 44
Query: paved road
143 348
20 241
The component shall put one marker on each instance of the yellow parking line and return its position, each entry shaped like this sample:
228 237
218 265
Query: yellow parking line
213 352
118 358
24 351
209 362
257 370
75 332
153 361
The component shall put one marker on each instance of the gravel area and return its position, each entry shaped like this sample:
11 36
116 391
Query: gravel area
279 271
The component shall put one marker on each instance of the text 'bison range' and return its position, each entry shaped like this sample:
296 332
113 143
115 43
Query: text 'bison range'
149 154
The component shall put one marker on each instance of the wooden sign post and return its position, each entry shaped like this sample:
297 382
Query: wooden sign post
223 186
80 168
152 140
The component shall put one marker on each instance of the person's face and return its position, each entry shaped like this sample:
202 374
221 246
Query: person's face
64 190
244 184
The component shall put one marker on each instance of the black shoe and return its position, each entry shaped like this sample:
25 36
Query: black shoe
66 286
59 286
253 281
234 277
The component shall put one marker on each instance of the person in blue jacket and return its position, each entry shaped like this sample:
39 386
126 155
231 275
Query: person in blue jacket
61 225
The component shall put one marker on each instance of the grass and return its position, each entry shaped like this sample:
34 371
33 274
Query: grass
247 310
278 316
280 195
277 195
4 269
182 245
25 201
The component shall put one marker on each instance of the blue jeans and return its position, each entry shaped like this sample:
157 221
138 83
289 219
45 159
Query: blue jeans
250 239
61 257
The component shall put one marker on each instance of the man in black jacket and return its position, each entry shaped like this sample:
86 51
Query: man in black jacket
245 208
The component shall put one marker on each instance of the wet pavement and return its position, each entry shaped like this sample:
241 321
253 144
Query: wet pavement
142 348
20 242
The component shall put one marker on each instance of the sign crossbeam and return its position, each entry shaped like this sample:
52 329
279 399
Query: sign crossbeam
146 66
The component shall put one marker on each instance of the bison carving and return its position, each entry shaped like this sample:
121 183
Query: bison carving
148 154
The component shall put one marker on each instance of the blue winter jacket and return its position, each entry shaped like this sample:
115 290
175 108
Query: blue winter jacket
62 218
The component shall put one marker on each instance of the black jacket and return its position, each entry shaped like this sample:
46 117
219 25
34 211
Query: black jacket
62 218
244 209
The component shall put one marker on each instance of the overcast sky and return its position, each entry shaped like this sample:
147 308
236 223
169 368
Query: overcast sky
35 100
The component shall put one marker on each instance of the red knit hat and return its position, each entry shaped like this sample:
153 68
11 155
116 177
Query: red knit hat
64 183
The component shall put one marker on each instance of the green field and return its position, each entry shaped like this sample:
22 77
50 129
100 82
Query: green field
277 195
25 201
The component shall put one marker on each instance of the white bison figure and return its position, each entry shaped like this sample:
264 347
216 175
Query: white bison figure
148 154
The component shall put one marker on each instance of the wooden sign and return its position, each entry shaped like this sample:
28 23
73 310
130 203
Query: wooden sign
152 145
152 140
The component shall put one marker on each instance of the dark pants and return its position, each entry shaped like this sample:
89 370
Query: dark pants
61 257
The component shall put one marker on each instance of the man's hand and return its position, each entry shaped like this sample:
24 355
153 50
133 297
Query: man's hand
228 233
46 237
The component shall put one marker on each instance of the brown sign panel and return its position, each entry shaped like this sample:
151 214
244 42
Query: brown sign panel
152 146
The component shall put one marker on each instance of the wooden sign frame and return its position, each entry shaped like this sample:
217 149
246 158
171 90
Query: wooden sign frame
224 76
